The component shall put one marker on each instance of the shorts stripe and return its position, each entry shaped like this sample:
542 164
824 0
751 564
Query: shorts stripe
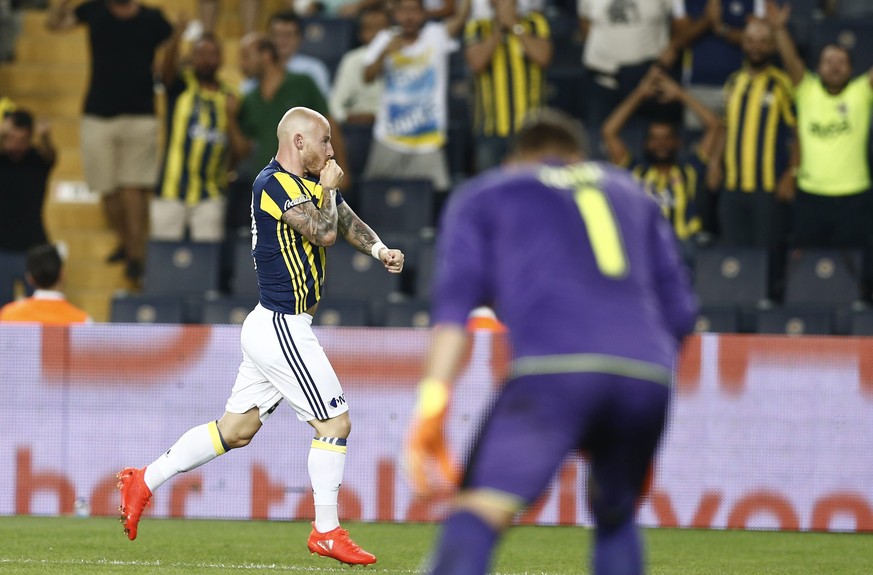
295 362
280 336
590 363
305 369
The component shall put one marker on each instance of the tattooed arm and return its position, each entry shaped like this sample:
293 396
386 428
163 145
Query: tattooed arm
317 226
363 238
354 230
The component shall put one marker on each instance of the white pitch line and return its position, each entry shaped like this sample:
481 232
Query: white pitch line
239 567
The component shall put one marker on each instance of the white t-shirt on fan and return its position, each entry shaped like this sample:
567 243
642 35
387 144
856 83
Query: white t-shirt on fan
414 110
626 32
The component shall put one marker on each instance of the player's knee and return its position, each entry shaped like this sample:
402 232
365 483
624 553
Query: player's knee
238 430
339 426
235 442
347 427
237 438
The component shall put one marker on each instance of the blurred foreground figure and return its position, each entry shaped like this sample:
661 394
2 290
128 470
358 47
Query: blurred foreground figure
583 269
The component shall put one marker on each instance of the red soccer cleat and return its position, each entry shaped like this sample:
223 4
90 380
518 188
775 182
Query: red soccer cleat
135 497
337 544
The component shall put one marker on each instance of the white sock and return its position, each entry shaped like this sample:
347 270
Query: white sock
327 461
196 447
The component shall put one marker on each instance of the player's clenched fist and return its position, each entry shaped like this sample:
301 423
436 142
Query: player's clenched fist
393 260
331 174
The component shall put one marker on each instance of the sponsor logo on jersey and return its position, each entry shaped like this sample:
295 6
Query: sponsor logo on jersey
337 401
830 130
296 202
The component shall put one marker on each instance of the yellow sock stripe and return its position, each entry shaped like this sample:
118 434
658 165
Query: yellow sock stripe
316 444
217 443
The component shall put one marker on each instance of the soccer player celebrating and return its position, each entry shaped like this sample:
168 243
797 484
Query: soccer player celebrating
298 210
596 304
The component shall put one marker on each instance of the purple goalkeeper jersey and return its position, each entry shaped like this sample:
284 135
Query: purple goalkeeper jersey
578 262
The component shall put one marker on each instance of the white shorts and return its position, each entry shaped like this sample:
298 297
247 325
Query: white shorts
283 359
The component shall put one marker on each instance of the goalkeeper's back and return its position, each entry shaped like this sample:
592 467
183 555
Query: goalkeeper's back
575 258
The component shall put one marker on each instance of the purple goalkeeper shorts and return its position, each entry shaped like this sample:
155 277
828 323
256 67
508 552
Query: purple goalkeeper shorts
538 419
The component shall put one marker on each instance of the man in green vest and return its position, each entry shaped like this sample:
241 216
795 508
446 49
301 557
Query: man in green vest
832 205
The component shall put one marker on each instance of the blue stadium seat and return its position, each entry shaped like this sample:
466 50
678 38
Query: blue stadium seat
408 313
147 309
810 8
718 319
458 150
182 268
12 270
823 277
731 276
795 321
245 278
804 13
227 310
861 323
397 206
566 89
855 9
342 312
567 40
327 39
423 269
358 139
854 34
352 274
408 243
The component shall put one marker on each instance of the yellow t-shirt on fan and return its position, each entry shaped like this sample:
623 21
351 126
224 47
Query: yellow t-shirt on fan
834 130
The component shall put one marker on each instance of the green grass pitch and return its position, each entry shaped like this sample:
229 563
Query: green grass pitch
68 545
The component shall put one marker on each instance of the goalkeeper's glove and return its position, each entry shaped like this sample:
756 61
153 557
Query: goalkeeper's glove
427 459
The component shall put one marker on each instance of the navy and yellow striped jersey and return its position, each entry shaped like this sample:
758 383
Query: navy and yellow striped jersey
290 269
675 190
196 156
511 85
760 121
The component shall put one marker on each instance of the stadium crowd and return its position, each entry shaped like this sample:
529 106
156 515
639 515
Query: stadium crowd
748 121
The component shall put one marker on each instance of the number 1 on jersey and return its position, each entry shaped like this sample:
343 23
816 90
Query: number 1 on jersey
603 232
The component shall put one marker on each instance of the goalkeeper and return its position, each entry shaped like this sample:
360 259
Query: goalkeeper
583 270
